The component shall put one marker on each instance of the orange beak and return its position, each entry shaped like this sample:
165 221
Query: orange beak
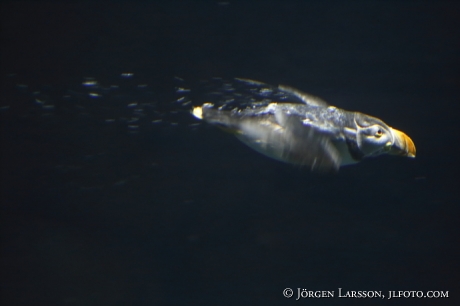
403 145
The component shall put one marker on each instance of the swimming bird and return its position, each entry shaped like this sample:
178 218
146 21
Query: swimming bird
304 130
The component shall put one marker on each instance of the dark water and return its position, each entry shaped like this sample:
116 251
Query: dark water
119 199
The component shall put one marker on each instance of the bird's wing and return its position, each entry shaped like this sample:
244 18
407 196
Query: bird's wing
303 96
288 93
280 136
306 145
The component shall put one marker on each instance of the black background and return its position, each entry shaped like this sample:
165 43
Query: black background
96 214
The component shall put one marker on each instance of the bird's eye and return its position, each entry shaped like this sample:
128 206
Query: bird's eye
379 133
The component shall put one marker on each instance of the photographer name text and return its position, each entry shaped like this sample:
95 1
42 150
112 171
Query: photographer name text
300 293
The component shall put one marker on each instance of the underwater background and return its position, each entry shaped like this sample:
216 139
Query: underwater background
113 194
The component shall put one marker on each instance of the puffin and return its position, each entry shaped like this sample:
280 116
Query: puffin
295 127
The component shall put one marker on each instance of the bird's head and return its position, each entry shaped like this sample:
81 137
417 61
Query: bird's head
374 137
